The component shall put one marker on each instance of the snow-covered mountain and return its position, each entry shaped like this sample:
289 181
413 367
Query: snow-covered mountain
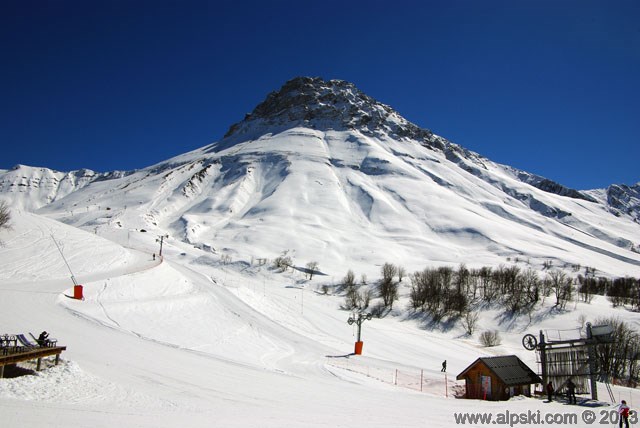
212 335
319 162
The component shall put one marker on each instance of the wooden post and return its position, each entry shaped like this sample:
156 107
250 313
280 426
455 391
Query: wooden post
57 359
1 372
446 386
39 363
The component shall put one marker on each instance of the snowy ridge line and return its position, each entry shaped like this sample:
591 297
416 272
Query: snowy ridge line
421 381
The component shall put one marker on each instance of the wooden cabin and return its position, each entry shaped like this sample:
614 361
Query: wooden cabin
498 378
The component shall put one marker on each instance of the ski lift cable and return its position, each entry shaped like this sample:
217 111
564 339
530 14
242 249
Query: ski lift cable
73 278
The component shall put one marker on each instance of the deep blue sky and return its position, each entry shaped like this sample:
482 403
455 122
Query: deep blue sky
548 86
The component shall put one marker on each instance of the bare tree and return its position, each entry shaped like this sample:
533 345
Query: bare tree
312 267
562 287
470 322
401 273
349 280
388 272
363 279
351 299
388 289
364 299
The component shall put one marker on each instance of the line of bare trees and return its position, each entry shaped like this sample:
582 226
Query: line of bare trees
445 291
619 291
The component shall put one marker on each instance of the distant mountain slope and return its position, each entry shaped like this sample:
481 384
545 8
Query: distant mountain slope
33 187
326 172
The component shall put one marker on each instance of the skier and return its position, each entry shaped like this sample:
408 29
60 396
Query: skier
154 256
444 366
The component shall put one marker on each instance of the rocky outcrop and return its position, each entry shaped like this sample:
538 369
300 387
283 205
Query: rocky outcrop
625 199
335 104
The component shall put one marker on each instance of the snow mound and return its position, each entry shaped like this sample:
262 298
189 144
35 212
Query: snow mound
67 383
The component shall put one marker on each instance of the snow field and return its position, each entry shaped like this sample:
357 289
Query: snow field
209 337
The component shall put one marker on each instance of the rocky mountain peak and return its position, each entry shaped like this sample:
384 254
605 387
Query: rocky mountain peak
320 104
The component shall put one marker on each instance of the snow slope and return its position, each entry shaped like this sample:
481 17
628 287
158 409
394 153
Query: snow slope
193 341
212 335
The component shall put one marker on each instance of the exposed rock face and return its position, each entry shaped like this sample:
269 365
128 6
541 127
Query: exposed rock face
625 199
335 104
552 187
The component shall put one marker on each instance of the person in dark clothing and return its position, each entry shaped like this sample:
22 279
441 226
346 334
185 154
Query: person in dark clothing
42 339
444 366
550 391
623 410
571 392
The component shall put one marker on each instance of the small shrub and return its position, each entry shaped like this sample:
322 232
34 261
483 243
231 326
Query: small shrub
282 262
490 338
379 310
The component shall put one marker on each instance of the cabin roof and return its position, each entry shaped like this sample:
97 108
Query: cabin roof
509 369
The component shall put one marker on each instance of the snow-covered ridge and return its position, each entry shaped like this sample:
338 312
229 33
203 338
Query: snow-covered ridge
33 187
